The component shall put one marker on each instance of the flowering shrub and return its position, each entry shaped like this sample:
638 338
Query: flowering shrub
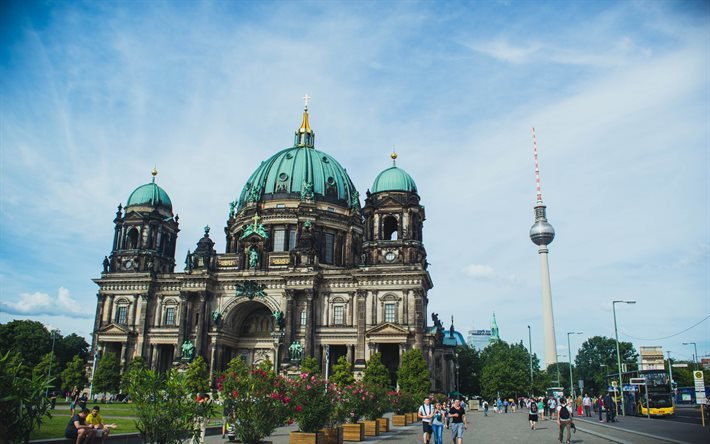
261 399
402 402
313 402
354 401
380 402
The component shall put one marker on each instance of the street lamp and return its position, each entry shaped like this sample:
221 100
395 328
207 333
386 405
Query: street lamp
618 355
569 352
530 353
695 357
54 334
670 373
93 370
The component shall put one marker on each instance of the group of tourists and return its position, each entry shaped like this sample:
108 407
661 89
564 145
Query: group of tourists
436 416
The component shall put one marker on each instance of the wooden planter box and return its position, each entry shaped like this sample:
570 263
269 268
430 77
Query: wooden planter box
332 436
412 418
305 438
400 420
353 432
384 424
372 428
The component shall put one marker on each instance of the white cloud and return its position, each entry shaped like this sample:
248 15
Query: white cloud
479 271
39 303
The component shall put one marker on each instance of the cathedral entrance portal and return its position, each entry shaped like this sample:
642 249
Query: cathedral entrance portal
336 351
390 358
250 328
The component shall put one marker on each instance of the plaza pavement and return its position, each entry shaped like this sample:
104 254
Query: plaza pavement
510 427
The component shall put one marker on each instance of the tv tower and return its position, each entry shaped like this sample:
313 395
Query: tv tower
542 233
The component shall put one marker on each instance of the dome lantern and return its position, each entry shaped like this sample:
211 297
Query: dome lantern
305 137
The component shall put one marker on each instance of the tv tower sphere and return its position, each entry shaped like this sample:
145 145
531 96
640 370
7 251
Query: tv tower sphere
541 233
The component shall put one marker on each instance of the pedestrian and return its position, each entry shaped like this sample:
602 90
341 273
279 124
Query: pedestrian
532 413
74 398
437 423
578 404
499 405
545 407
608 407
458 422
552 407
426 413
485 408
505 405
541 406
564 420
587 405
53 400
600 407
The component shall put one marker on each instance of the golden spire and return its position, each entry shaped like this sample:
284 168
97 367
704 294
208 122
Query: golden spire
305 127
154 172
393 156
304 135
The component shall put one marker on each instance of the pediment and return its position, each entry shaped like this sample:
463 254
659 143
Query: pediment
387 330
113 329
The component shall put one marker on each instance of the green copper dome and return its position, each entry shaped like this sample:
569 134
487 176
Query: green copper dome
150 195
394 179
300 172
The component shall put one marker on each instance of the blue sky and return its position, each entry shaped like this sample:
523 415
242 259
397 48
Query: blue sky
94 94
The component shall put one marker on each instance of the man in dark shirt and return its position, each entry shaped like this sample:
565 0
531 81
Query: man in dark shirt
78 429
458 422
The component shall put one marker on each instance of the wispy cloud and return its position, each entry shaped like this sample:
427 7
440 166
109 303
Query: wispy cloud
38 303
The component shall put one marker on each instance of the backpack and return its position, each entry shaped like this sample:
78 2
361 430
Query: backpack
533 407
564 413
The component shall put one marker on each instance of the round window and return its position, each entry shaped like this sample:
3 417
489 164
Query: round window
331 181
283 177
325 160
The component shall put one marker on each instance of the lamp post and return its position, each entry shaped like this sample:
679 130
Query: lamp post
530 353
53 334
695 357
569 352
618 355
326 348
670 374
93 370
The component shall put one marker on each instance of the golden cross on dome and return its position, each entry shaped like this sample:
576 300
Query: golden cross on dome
256 220
306 98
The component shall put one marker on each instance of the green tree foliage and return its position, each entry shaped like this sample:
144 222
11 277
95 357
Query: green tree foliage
376 374
597 358
29 338
683 376
413 374
469 361
108 375
23 404
69 346
197 376
74 374
309 365
505 370
166 412
48 362
342 375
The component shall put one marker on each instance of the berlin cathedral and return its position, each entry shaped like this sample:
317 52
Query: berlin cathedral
307 271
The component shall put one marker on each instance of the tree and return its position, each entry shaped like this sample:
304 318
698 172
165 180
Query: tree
469 361
376 373
74 374
108 376
342 375
29 338
69 346
137 364
596 359
23 404
197 376
165 410
309 365
505 370
48 366
413 374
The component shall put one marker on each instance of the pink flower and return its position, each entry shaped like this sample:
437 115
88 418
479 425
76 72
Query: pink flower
298 408
308 387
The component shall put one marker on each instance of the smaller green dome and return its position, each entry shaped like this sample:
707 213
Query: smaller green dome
394 179
151 195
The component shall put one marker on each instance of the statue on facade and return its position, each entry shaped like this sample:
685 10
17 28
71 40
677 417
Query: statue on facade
217 318
253 258
106 264
307 191
188 261
295 351
188 351
278 319
232 206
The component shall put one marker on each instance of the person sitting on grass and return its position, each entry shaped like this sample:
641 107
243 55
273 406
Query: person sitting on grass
78 429
95 420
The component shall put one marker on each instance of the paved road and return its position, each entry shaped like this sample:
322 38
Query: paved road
690 415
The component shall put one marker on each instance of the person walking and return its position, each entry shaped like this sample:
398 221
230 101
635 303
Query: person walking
600 407
532 413
505 405
437 423
458 422
552 407
587 405
541 406
426 413
485 408
564 421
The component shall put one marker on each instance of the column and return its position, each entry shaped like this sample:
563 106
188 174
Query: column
418 320
100 299
183 323
200 325
289 321
109 312
308 343
213 359
361 311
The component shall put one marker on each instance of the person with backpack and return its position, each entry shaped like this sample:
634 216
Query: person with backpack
552 407
532 413
426 413
564 420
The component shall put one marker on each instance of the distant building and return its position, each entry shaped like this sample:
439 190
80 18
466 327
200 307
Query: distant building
651 358
478 339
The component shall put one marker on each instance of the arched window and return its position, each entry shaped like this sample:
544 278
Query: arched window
390 226
132 239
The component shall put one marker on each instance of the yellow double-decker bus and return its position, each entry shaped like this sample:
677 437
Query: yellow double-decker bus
660 396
